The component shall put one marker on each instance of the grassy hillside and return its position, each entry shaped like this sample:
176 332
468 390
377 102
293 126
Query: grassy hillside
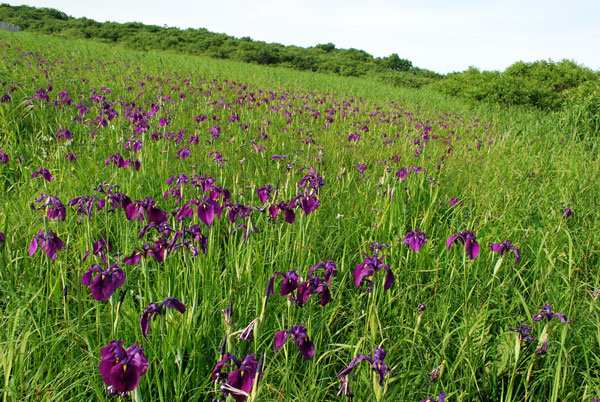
545 84
256 170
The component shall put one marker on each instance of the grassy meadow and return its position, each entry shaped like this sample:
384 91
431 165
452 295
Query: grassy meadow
255 170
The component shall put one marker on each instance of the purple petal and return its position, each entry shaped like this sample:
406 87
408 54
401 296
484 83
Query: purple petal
389 279
125 377
33 246
290 216
86 279
174 303
280 338
472 249
450 241
306 348
106 364
118 278
145 323
361 271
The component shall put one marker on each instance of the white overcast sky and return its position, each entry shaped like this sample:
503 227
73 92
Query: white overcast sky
442 36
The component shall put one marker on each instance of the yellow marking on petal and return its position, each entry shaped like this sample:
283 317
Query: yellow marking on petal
242 373
103 276
124 367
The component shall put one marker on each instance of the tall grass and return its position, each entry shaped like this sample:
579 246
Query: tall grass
513 170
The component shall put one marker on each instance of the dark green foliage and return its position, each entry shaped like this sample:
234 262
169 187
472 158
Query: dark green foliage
542 84
581 110
394 62
320 58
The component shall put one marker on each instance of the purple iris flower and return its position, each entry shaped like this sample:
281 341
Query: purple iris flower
299 335
548 314
118 200
287 208
156 251
99 248
55 208
49 241
454 201
288 284
63 132
468 239
504 247
163 228
41 94
154 310
3 156
180 235
329 267
218 157
237 211
369 267
186 210
415 240
2 237
523 332
118 160
84 205
264 192
311 180
378 247
354 137
196 235
441 398
45 173
568 212
179 179
214 132
312 286
402 173
183 153
361 167
377 365
309 203
71 157
122 368
136 210
207 210
105 282
239 382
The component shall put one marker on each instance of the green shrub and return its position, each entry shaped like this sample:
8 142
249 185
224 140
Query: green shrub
581 109
542 84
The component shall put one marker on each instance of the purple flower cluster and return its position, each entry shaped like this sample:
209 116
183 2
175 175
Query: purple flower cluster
303 290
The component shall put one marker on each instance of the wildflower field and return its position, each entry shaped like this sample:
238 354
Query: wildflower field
178 228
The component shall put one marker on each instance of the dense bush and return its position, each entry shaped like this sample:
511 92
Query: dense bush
320 58
542 84
581 109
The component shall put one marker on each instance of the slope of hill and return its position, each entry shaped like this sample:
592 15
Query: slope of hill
207 211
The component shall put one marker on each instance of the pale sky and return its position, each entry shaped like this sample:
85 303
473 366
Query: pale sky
442 36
